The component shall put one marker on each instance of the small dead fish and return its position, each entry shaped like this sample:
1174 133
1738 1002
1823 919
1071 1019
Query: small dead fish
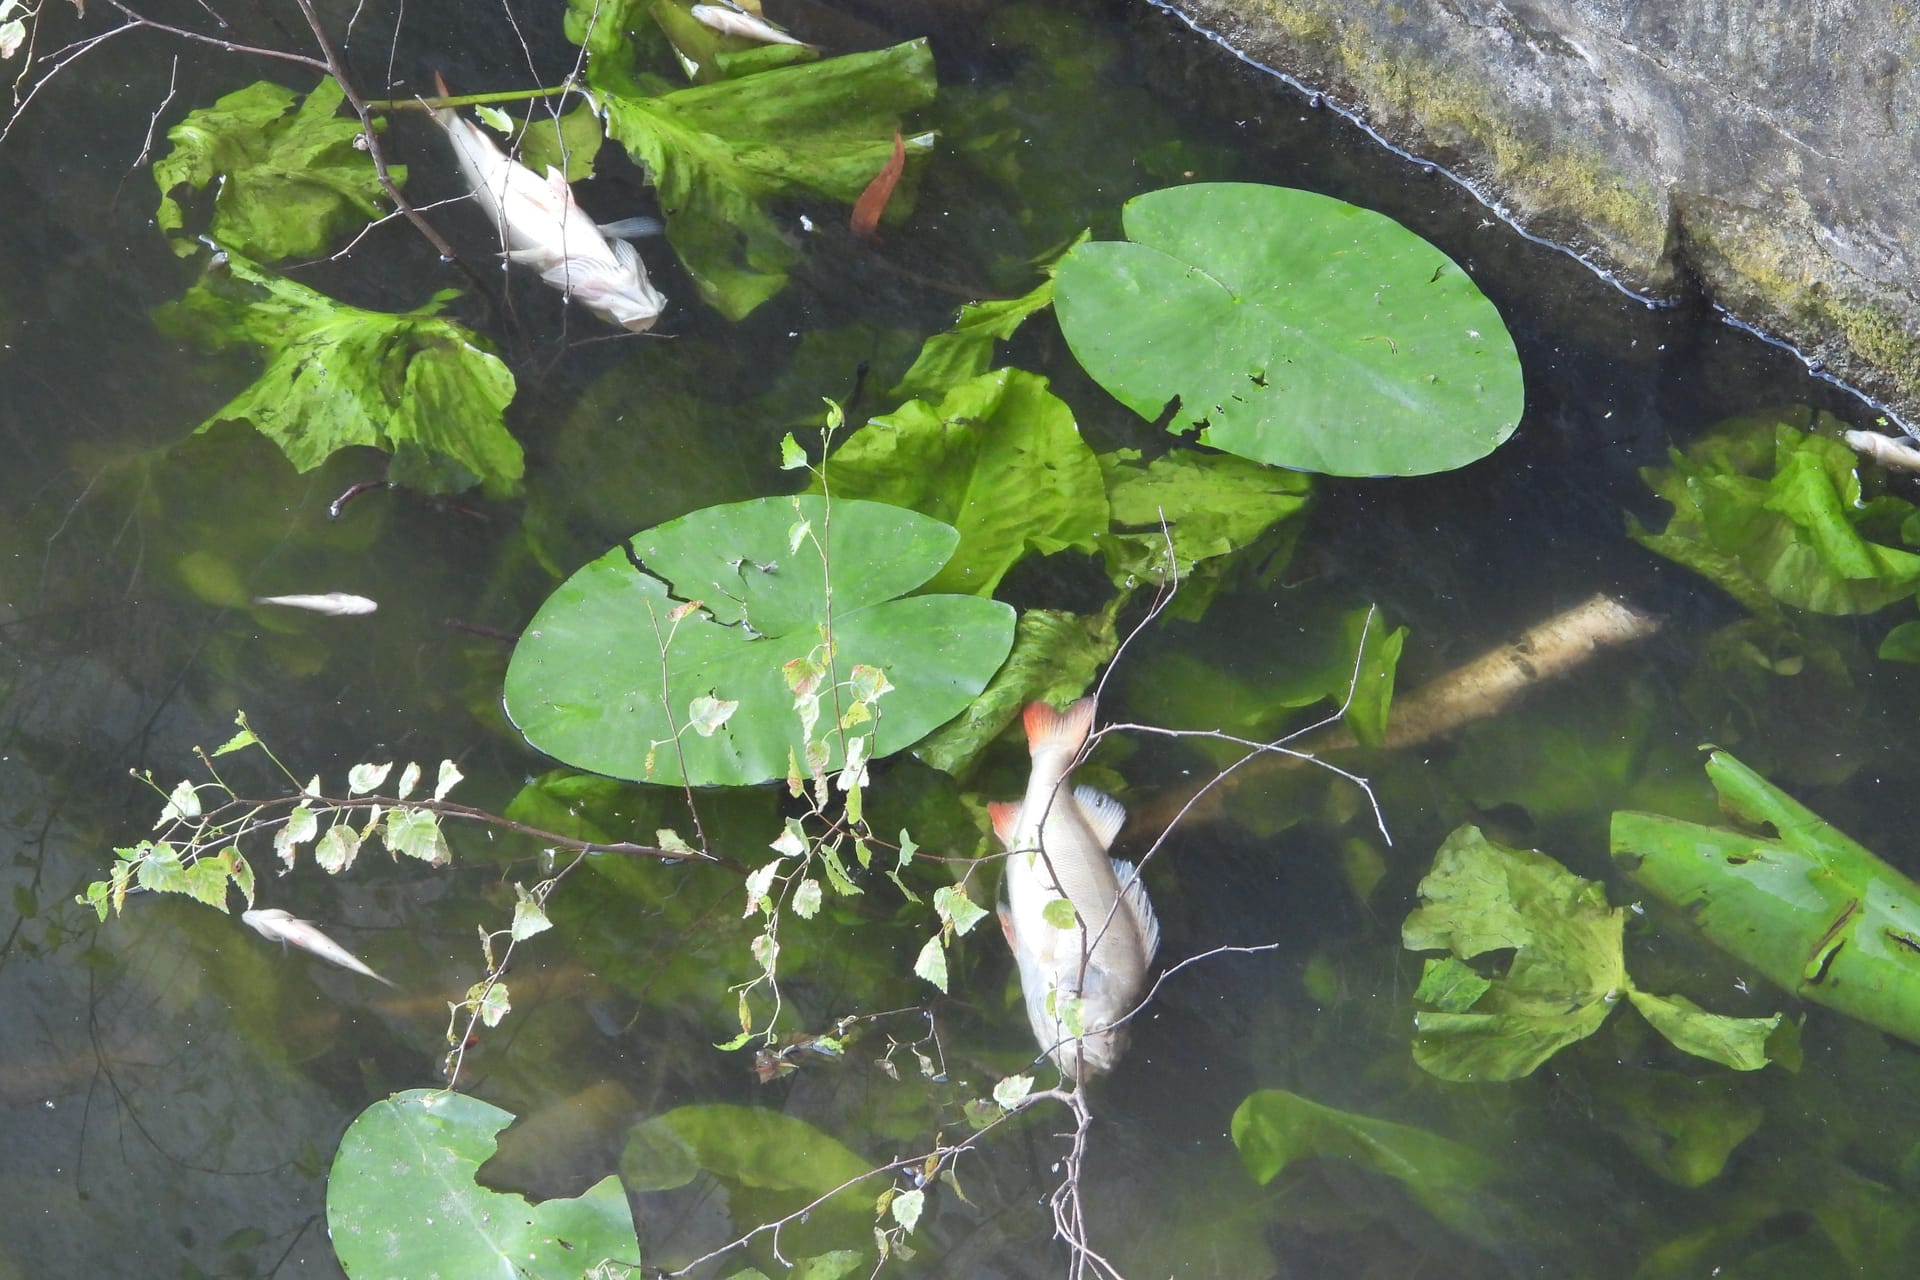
1057 843
335 604
1888 451
289 930
729 21
544 229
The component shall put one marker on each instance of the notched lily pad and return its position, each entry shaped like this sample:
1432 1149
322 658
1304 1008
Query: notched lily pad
402 1201
1293 329
605 676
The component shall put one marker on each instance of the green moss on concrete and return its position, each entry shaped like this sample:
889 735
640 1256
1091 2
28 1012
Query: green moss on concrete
1455 111
1772 269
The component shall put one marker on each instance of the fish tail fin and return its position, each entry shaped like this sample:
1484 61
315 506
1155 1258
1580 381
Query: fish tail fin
444 116
1006 818
1050 730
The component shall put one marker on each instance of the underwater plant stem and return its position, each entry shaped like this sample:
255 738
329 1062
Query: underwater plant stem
468 99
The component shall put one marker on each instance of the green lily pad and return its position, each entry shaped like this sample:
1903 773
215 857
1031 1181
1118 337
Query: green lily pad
286 182
585 683
1294 329
402 1202
413 384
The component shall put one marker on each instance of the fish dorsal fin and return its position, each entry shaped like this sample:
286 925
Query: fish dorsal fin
1064 731
628 257
1133 893
1006 820
1105 815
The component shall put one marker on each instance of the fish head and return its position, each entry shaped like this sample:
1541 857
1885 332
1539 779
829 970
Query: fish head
1095 1053
616 289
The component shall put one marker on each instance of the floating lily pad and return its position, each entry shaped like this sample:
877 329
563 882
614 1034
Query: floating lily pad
402 1202
1293 329
585 684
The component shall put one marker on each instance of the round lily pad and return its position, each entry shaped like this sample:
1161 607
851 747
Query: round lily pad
402 1202
1293 329
605 678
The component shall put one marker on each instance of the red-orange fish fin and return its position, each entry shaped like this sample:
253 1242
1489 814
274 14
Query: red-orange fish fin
1050 730
1006 817
873 201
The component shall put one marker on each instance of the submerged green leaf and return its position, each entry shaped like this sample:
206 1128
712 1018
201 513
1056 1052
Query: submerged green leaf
415 385
402 1200
966 351
1567 967
746 1146
1567 973
1055 657
586 680
1773 514
1211 505
999 458
721 154
1818 914
1293 329
1683 1127
284 184
569 142
1274 1129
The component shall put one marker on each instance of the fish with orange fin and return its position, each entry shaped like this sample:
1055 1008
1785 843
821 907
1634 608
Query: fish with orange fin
1088 973
290 930
544 229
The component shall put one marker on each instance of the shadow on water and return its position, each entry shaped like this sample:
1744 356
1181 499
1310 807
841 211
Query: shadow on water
173 1087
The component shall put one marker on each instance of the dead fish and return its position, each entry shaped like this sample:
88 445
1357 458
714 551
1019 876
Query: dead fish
1057 843
544 229
335 604
731 21
1888 451
289 930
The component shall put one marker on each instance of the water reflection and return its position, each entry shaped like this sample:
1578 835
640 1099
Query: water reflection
174 1087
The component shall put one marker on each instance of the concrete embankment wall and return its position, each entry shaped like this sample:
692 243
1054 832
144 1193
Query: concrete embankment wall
1768 150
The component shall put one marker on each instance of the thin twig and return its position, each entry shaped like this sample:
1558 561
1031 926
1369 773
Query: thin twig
334 67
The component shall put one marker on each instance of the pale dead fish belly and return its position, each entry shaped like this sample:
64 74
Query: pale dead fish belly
543 228
1101 960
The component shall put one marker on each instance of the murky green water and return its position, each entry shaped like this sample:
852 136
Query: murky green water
174 1086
